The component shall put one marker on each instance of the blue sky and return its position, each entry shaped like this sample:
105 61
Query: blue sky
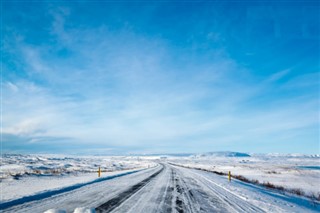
160 76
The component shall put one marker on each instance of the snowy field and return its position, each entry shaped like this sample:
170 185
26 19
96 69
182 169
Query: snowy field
24 175
301 172
47 183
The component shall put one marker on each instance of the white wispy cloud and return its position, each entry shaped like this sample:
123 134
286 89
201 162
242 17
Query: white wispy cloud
127 90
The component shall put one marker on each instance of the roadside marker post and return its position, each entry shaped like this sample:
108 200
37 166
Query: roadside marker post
229 176
99 172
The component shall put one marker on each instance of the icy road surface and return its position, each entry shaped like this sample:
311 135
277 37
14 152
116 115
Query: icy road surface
168 188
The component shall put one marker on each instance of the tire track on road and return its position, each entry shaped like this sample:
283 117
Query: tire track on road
195 198
118 200
230 199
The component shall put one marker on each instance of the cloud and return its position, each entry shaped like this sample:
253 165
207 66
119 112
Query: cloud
279 75
12 87
120 89
26 127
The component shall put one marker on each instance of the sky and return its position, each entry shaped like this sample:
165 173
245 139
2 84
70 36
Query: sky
139 77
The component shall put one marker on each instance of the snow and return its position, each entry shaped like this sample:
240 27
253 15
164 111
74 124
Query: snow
29 185
90 195
174 189
19 165
190 190
77 210
25 175
269 201
55 211
84 210
289 171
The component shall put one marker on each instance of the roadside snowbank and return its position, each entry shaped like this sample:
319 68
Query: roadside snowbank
292 172
25 175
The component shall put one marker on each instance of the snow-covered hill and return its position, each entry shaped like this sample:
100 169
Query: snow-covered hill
222 154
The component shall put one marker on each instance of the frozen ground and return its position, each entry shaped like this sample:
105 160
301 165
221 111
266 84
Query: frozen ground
24 175
290 171
151 184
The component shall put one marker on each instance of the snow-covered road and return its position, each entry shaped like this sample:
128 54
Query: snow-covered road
168 188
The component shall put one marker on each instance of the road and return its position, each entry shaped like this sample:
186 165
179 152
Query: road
167 188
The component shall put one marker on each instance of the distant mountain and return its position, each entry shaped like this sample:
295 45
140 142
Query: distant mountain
292 155
223 154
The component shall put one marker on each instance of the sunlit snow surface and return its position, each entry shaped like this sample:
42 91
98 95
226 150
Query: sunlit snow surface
29 175
23 175
290 171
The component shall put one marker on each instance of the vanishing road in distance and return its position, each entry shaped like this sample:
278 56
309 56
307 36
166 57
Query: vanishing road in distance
167 188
